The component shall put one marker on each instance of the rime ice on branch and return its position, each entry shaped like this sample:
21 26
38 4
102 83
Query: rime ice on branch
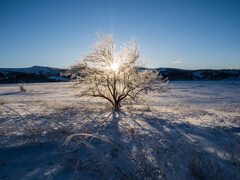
114 76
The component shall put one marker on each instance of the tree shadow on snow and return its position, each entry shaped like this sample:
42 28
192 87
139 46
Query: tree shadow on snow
136 143
163 148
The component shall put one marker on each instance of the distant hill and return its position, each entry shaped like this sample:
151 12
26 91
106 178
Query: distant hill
50 74
31 74
202 74
174 74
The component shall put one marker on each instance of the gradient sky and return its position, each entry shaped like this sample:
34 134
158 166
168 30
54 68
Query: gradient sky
185 34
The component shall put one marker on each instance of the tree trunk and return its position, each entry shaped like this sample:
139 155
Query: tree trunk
117 106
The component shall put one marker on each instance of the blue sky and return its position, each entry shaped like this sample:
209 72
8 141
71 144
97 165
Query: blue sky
190 34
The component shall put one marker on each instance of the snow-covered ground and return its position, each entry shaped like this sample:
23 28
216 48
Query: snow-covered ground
190 132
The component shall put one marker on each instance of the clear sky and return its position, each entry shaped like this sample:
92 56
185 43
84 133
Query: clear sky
190 34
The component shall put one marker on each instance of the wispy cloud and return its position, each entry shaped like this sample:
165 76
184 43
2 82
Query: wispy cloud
177 62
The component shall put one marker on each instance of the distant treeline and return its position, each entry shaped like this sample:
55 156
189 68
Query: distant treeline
47 74
203 74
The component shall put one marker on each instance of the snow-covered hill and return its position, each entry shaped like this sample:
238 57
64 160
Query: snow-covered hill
201 74
33 69
31 74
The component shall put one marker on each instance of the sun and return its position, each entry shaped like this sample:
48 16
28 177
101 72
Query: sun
115 67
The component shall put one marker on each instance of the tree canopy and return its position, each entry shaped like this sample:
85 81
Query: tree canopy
114 76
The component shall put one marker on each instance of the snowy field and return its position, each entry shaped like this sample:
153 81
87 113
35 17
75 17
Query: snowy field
190 132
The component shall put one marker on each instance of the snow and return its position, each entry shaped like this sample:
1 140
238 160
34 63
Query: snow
189 132
198 74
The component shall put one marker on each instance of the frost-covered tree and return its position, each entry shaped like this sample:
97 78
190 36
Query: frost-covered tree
114 76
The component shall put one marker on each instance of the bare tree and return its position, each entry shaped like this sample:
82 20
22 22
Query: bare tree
116 77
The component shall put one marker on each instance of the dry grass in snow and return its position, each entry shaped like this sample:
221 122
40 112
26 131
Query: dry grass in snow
190 132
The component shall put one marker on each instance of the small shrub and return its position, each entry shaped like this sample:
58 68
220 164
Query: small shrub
22 88
202 167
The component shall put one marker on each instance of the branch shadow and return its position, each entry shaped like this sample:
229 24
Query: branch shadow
177 149
157 146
